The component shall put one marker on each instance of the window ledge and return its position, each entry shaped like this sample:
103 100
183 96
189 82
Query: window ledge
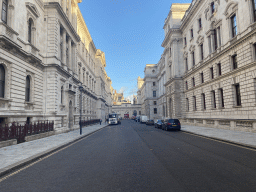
222 108
61 105
236 106
192 39
213 108
29 103
200 30
5 99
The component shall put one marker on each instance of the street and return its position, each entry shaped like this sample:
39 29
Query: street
135 157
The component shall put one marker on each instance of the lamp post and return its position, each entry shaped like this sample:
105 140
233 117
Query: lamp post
81 89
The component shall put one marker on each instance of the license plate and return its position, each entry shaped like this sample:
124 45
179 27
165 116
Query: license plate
174 125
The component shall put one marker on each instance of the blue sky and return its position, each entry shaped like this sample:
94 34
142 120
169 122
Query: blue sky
130 32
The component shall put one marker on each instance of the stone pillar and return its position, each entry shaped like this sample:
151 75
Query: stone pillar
70 11
64 47
69 53
212 42
64 6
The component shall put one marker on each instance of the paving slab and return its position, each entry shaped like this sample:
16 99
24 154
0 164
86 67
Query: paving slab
238 137
15 155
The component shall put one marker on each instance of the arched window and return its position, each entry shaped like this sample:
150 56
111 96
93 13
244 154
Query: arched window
61 95
27 91
4 11
30 25
2 81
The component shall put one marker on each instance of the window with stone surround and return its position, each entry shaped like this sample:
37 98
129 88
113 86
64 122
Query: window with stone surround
30 25
185 41
215 46
213 99
27 89
187 104
254 10
233 26
202 77
234 61
186 64
200 23
219 69
203 101
155 110
212 7
193 82
61 95
211 73
237 94
154 102
221 98
2 81
186 85
194 100
193 58
209 44
254 52
154 83
202 52
191 33
154 93
5 11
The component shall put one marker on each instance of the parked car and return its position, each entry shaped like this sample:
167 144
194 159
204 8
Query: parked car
137 118
159 123
173 124
150 122
143 119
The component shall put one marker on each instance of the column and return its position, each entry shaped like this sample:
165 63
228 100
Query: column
69 53
212 42
64 46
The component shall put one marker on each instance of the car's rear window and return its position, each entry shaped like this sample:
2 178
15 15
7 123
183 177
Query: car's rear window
173 121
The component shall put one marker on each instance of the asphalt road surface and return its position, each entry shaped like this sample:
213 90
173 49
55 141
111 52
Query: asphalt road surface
134 157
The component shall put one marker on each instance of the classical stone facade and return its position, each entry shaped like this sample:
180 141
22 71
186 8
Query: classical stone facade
47 53
210 63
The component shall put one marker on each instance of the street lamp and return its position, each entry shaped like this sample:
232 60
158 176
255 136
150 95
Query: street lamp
81 89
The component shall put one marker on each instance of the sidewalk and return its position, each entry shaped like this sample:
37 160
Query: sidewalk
15 156
238 137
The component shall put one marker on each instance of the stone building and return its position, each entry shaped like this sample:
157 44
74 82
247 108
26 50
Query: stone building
127 108
210 57
46 54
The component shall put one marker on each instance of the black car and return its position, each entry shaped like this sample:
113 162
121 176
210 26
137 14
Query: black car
171 124
159 124
150 122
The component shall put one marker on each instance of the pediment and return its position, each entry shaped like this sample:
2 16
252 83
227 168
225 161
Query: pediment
32 8
231 7
200 39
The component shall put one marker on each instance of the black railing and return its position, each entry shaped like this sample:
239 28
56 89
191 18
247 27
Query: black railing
89 122
19 132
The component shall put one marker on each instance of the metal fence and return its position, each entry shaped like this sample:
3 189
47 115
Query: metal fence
89 122
19 132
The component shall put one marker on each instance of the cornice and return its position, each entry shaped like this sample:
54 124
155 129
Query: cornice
64 16
167 37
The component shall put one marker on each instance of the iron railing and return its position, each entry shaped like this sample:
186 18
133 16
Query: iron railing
19 132
89 122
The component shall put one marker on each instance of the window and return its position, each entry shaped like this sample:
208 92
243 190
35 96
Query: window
30 24
202 77
4 11
186 64
61 95
155 110
170 51
27 91
210 44
185 41
200 23
221 98
219 69
219 35
213 100
194 98
211 73
186 84
187 103
234 61
2 81
193 82
154 93
191 33
254 51
254 9
215 39
237 95
203 102
212 7
193 58
233 26
154 83
202 51
154 102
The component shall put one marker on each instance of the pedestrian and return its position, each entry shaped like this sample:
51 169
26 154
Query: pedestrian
100 121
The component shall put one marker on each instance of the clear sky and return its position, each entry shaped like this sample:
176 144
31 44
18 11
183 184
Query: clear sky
130 32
